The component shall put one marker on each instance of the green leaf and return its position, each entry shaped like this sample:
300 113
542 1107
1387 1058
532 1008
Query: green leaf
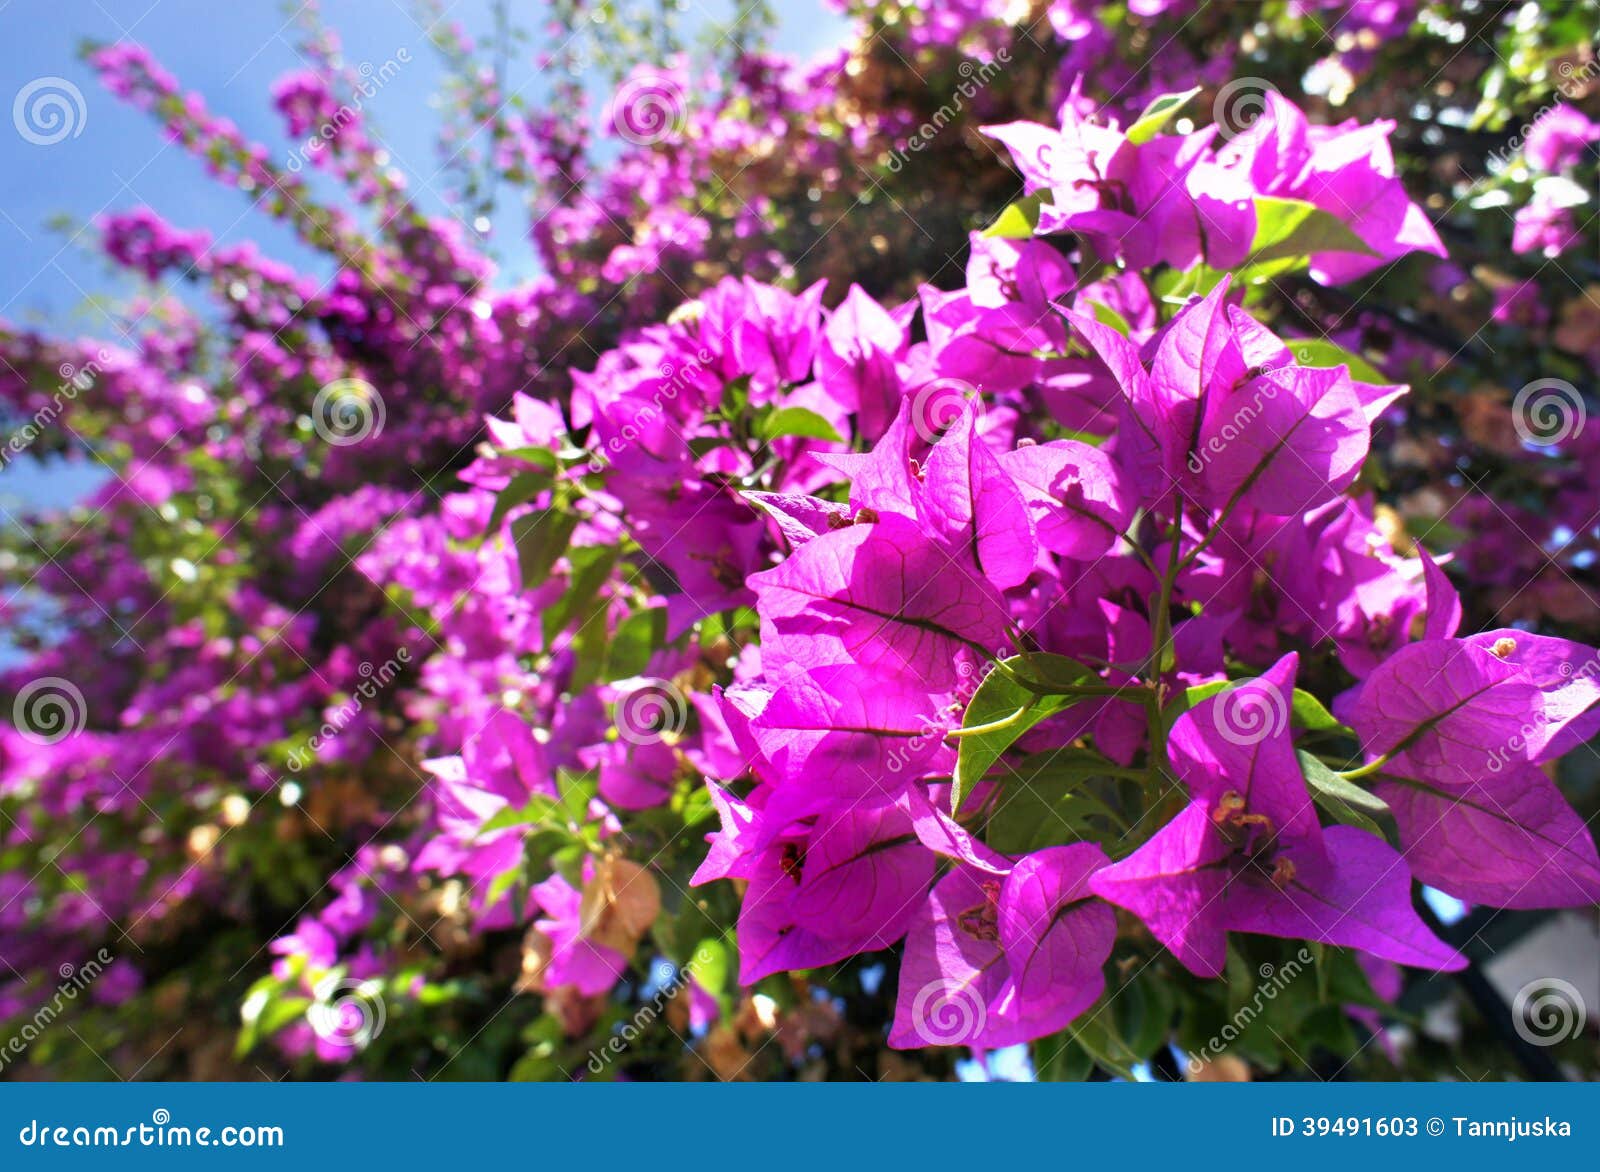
1344 800
1018 221
1107 316
1143 1010
1289 231
637 638
800 421
711 965
541 538
1004 710
1096 1031
1057 1058
1321 352
535 811
591 565
1031 816
1309 713
522 488
1157 114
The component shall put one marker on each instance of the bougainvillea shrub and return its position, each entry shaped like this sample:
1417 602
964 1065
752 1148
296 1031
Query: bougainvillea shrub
1064 527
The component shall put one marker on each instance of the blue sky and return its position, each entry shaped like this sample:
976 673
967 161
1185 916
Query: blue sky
231 51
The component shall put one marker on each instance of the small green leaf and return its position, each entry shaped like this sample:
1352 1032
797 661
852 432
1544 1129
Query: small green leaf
522 488
1310 714
1107 316
1003 709
797 421
637 638
591 565
1290 231
541 538
1018 221
710 965
1157 114
1321 352
1342 799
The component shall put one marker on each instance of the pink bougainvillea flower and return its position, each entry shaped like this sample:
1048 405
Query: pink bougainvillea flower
993 961
1133 200
881 595
1444 709
822 885
574 961
1248 853
968 500
1508 839
849 733
1217 407
857 360
1463 724
1347 171
1074 493
1559 138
